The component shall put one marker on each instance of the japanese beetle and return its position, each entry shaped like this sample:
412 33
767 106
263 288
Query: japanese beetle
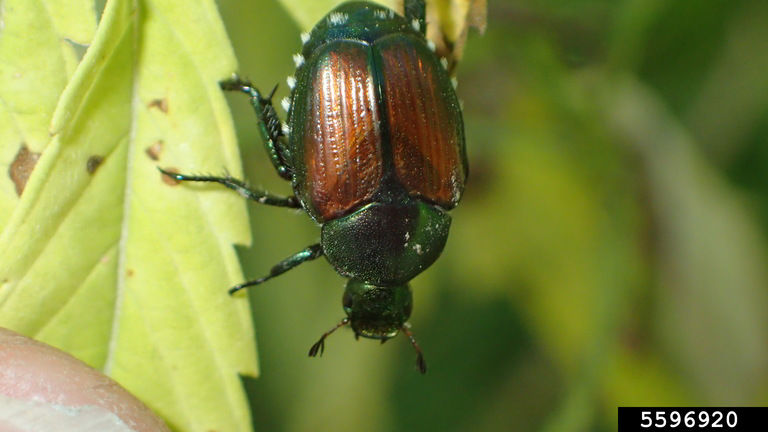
374 149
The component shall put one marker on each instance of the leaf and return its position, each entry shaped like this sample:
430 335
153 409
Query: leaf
36 60
736 85
105 259
712 277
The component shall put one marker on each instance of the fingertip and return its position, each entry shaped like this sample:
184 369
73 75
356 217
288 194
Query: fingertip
40 381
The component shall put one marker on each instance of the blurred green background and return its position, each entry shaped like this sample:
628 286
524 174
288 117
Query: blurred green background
610 248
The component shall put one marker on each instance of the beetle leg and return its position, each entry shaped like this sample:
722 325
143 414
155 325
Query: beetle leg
240 187
319 346
308 254
416 10
270 126
419 356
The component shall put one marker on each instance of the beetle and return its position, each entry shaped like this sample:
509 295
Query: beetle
374 149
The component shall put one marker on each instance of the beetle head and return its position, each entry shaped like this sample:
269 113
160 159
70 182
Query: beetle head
376 312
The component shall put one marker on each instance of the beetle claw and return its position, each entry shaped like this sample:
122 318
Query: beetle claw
319 346
421 363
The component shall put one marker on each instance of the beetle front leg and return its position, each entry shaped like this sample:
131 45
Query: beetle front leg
240 187
308 254
270 126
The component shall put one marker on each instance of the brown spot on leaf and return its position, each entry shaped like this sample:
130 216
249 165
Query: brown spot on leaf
93 163
129 272
155 150
161 104
21 167
168 179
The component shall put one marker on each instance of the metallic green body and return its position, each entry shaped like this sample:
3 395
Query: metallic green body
386 244
391 240
383 238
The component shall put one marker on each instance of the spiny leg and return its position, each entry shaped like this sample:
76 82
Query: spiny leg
240 187
308 254
416 10
319 346
270 126
420 356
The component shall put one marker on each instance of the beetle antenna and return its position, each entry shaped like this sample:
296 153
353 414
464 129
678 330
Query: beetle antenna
420 356
319 346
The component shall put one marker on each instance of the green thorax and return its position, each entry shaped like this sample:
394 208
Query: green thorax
357 21
386 243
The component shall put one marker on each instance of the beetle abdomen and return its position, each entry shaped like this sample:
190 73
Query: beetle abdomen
425 125
341 133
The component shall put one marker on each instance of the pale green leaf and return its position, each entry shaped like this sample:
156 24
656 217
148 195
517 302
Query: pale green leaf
712 273
104 259
74 19
36 60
